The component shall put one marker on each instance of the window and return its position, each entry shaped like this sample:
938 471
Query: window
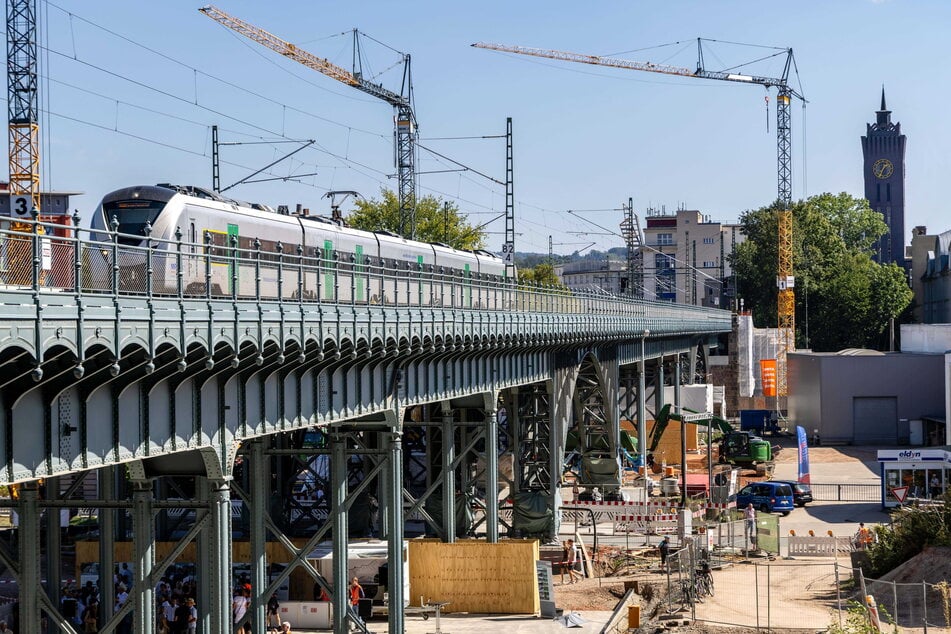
663 261
708 240
709 264
665 238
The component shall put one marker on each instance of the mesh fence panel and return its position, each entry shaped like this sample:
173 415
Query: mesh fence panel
774 594
907 605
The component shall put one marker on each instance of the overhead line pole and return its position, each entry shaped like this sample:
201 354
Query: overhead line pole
508 251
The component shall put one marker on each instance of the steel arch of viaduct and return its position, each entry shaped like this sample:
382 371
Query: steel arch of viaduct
108 382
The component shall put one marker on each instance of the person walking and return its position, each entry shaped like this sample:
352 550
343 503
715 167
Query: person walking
239 605
863 537
664 549
273 614
749 515
356 593
563 565
574 562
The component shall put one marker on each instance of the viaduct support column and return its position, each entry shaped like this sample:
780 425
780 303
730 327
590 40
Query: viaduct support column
642 413
492 472
219 573
448 476
683 435
395 540
107 533
659 396
143 544
338 511
29 551
259 498
53 541
206 558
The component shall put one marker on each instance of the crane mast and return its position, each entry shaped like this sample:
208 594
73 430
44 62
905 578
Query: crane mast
785 281
22 104
404 118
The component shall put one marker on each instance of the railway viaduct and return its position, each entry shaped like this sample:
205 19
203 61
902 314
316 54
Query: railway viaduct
134 391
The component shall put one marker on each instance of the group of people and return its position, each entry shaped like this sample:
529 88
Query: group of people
241 603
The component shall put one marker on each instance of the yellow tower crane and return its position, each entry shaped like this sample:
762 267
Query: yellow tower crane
785 281
405 119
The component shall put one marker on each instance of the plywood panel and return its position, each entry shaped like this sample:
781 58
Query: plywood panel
475 576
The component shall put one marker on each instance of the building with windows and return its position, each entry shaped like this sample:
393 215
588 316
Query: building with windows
607 275
685 257
931 276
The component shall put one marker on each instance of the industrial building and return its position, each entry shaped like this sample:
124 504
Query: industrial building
865 397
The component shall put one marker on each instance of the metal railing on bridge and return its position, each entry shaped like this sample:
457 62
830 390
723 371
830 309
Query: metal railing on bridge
40 256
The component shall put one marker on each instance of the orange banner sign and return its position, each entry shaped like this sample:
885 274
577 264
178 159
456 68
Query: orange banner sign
767 371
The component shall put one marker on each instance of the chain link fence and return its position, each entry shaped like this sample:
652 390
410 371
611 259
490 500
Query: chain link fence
923 606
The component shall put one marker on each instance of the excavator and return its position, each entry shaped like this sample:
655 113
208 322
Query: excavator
741 448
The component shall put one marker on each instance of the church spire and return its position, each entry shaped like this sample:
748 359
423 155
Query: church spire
883 118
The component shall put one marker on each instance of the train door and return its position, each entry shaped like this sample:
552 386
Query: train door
359 271
327 264
419 277
233 255
467 285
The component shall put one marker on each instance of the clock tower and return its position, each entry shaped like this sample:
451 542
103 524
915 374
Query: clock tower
883 148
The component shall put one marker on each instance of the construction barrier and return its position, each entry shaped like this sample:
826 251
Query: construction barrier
807 546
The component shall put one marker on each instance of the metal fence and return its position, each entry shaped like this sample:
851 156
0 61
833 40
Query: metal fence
846 492
923 606
76 261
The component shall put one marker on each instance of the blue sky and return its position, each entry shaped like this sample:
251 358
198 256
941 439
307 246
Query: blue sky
132 88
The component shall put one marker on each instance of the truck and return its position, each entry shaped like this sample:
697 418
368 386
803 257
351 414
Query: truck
740 448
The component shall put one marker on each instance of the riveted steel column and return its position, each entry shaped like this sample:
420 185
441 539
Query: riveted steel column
219 573
205 558
448 476
492 475
259 498
683 435
29 547
642 412
338 512
659 386
107 536
143 544
53 564
394 544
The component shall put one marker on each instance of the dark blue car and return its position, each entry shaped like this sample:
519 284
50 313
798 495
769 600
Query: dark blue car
769 497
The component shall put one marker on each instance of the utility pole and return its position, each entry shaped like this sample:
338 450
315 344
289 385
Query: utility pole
215 164
445 222
508 250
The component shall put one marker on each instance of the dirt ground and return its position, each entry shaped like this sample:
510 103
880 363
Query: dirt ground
801 601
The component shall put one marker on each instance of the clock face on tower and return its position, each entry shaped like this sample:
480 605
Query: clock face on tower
883 168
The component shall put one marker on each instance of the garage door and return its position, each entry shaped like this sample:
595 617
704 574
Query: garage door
875 420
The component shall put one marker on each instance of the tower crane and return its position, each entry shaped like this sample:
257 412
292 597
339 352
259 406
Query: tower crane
785 281
402 102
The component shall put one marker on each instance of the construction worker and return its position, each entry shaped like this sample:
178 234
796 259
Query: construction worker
863 537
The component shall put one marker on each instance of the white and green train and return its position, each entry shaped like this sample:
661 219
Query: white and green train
230 248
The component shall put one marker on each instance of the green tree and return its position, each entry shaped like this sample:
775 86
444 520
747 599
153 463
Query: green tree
542 274
849 297
434 222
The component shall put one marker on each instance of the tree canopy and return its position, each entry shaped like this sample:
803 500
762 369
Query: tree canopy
434 221
841 292
542 274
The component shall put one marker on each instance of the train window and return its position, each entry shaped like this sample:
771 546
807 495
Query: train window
192 236
133 216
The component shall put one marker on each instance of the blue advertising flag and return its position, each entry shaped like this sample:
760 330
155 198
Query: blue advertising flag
803 450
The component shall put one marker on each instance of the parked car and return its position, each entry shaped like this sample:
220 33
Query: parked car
802 493
769 497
